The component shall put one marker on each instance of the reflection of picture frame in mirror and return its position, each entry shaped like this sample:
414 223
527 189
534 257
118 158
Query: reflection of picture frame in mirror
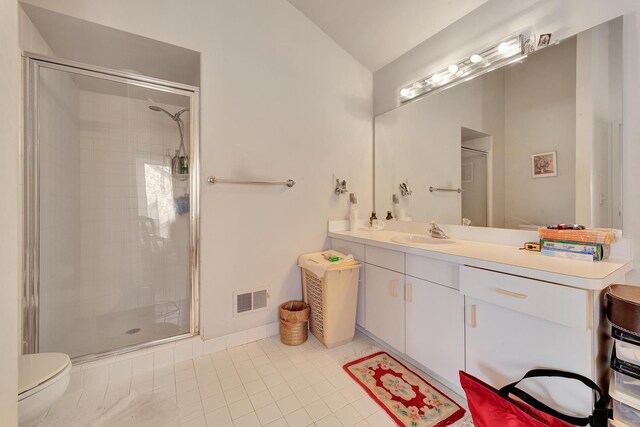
544 40
544 165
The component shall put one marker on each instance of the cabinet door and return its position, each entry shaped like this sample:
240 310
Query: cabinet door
435 327
502 345
360 311
384 305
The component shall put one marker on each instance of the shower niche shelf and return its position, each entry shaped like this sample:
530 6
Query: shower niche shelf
181 176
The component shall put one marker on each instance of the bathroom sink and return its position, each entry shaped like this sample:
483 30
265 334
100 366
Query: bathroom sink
416 239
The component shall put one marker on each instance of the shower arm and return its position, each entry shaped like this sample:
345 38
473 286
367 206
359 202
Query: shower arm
181 130
176 118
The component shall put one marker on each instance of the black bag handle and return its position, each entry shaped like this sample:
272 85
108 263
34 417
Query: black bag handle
597 419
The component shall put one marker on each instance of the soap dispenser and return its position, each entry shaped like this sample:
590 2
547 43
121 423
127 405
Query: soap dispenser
372 218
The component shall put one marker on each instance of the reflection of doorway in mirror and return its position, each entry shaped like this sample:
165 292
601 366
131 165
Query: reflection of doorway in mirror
474 187
467 171
475 176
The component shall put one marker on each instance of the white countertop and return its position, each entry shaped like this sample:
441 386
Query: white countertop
504 258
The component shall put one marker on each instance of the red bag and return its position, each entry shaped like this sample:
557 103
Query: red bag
490 407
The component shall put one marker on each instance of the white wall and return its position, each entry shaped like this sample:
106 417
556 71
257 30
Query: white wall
421 142
598 119
631 136
540 116
9 223
279 100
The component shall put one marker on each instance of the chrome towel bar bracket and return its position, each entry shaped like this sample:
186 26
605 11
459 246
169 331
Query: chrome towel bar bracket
213 180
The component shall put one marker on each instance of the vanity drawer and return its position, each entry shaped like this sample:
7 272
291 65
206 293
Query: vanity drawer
385 258
348 248
555 303
436 271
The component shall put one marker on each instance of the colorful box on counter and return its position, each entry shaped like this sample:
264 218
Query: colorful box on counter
575 250
589 235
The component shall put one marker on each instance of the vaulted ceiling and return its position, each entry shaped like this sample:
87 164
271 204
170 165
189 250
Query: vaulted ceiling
376 32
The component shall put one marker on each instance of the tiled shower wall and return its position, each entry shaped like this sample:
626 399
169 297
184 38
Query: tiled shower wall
129 246
134 244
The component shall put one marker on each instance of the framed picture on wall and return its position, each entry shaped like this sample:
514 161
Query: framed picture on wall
544 165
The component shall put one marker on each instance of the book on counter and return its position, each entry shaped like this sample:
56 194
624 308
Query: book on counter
575 250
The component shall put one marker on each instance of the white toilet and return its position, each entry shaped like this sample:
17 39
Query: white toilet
42 379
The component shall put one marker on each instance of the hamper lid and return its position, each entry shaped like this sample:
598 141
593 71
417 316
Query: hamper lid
318 265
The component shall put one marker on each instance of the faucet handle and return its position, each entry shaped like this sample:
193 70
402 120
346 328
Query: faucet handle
433 224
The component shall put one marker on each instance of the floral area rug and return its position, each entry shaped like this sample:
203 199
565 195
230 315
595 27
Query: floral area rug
407 398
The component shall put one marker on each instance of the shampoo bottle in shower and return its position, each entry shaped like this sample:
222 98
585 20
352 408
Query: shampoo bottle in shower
184 165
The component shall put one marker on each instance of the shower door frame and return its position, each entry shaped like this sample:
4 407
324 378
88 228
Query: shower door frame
31 194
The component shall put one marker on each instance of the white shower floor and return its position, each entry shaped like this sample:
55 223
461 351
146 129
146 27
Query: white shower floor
123 329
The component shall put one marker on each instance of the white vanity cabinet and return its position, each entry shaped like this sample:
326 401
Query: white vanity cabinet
514 324
489 309
435 327
412 303
384 305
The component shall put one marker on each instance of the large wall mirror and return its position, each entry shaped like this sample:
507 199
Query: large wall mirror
532 143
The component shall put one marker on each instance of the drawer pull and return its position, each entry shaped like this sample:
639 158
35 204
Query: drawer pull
394 288
472 323
511 294
409 295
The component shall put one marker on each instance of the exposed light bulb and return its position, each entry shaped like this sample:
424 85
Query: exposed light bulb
436 78
405 92
475 58
503 47
453 68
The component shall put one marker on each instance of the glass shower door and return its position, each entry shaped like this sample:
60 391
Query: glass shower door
114 215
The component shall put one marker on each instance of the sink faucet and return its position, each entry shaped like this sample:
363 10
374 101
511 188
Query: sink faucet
436 232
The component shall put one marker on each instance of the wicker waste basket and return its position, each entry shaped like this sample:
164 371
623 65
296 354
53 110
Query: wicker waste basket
294 322
331 290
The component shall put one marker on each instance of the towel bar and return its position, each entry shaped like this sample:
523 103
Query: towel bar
457 190
213 180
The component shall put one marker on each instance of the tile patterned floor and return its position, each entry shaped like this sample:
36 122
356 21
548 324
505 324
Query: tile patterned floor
265 383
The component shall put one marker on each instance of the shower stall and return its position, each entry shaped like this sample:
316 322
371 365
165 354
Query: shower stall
110 208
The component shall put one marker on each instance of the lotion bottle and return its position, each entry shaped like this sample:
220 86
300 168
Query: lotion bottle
353 212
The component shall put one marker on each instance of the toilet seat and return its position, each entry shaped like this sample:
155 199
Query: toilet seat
39 371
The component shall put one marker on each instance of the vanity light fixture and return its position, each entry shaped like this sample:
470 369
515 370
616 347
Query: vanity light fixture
506 51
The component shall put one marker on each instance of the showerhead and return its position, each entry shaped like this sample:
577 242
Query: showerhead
175 116
156 108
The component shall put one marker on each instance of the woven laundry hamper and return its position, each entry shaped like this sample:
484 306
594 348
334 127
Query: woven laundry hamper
332 298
